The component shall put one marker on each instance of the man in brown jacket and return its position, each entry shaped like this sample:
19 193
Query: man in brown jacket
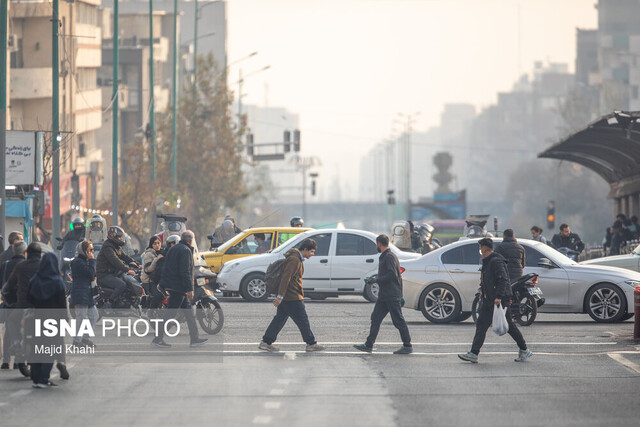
290 299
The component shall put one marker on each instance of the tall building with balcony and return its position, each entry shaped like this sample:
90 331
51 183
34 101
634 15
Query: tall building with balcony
80 103
135 89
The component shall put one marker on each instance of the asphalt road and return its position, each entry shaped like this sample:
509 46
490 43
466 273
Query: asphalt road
582 373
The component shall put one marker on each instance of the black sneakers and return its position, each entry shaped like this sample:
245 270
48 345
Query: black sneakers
159 342
198 342
363 347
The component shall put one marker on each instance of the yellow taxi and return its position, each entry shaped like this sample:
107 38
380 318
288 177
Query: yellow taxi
254 241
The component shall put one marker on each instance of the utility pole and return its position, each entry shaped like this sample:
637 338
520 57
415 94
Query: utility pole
55 122
115 112
195 48
174 101
152 106
240 81
3 114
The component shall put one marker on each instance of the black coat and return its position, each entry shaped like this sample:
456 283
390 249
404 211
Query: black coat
177 272
83 271
514 253
389 279
112 260
19 280
495 278
7 267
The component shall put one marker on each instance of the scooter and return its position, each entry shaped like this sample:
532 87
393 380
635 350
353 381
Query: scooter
133 297
208 311
527 297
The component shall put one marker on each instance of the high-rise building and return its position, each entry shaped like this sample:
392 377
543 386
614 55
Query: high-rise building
80 103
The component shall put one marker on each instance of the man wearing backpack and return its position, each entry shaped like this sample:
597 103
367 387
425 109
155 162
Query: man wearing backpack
289 299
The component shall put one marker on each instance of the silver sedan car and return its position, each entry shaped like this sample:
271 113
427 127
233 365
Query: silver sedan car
443 283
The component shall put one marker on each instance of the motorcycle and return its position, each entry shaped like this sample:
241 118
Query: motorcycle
569 253
68 253
133 297
208 311
527 297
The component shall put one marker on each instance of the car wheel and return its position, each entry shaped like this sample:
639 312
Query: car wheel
440 303
253 287
371 291
627 316
317 297
605 303
475 308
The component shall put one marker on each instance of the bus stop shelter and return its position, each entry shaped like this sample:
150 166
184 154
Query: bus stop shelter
610 146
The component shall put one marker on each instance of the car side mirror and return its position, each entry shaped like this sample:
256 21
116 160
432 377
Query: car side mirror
545 263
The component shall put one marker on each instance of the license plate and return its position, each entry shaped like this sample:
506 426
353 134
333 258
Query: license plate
534 291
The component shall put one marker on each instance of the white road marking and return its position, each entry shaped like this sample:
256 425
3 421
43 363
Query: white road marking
277 392
3 404
284 381
441 344
262 419
625 362
272 405
20 393
290 355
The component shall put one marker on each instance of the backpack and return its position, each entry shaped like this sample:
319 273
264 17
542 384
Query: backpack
272 277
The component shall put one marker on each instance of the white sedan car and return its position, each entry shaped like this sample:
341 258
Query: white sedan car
629 261
443 283
343 259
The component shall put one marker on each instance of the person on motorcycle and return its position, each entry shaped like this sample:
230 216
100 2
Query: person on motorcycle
416 241
97 231
224 232
296 222
514 253
77 232
567 239
112 262
150 260
426 234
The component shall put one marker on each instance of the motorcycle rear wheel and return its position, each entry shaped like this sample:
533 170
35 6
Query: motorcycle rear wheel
210 316
526 312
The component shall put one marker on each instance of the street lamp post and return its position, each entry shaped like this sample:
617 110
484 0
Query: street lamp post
241 81
174 101
409 120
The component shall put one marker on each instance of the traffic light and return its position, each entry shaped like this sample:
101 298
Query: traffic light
551 215
250 144
313 187
287 141
296 140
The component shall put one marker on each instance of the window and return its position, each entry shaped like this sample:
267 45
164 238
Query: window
323 241
87 14
352 245
87 78
453 256
532 256
257 243
466 254
283 237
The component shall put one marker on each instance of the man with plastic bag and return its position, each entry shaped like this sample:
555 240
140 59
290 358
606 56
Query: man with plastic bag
494 281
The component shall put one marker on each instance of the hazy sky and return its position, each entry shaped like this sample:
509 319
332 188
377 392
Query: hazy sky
347 67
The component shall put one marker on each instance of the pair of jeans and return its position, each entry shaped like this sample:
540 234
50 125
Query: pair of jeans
84 311
297 312
179 300
40 372
485 319
112 282
380 311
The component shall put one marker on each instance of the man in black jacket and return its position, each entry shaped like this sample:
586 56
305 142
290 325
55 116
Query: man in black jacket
14 236
567 239
389 299
112 262
494 281
514 253
177 278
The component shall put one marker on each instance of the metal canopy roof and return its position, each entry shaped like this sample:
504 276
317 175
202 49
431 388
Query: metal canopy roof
610 146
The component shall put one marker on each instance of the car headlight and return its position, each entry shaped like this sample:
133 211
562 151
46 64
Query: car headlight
632 283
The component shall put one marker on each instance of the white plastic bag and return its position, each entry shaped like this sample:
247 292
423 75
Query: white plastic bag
499 325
